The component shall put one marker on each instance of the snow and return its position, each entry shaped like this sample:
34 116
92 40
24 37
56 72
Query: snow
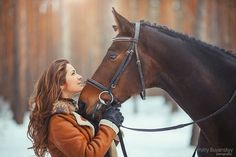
152 113
14 141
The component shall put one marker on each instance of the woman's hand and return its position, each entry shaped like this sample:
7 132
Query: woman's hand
114 115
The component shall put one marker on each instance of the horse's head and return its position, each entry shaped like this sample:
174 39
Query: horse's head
119 76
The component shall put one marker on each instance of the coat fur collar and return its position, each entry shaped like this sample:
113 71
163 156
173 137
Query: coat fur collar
64 106
67 107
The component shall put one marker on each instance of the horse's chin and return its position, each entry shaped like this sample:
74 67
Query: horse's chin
90 107
124 98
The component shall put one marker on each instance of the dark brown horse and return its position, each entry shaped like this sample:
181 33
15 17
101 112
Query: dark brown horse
201 78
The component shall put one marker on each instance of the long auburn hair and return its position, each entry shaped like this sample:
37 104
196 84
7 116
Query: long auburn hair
47 90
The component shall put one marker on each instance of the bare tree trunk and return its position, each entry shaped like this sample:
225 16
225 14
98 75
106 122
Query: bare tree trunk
195 135
1 45
20 61
135 105
197 28
233 26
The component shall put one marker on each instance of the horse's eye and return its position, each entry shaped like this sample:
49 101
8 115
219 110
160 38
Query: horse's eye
113 56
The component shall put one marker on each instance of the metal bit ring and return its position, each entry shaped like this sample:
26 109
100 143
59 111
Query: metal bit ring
105 92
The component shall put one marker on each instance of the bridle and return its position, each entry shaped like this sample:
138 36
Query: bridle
133 48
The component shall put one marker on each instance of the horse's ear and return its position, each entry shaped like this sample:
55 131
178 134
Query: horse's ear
123 25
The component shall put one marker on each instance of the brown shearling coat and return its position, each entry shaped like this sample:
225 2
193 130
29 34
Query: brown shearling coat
69 135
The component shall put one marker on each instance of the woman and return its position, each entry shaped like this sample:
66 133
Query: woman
54 125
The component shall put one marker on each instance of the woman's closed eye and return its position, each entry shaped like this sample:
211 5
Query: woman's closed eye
73 72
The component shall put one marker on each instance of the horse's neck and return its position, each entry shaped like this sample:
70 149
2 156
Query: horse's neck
190 74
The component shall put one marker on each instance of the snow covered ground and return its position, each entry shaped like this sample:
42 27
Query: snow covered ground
153 113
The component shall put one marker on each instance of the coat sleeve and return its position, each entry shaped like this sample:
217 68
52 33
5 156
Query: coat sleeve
71 140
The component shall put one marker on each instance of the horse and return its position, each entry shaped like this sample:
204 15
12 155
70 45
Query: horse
200 77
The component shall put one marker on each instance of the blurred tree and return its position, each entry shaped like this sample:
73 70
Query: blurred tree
34 33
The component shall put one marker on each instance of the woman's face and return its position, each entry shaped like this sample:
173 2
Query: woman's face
73 83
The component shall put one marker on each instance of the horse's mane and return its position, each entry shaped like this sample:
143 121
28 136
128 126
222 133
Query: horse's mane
189 39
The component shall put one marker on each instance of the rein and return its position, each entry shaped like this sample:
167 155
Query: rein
186 124
108 90
180 125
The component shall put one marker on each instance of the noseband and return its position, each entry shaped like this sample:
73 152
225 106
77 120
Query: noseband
114 81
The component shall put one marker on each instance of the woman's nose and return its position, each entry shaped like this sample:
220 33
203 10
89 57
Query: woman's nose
79 77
